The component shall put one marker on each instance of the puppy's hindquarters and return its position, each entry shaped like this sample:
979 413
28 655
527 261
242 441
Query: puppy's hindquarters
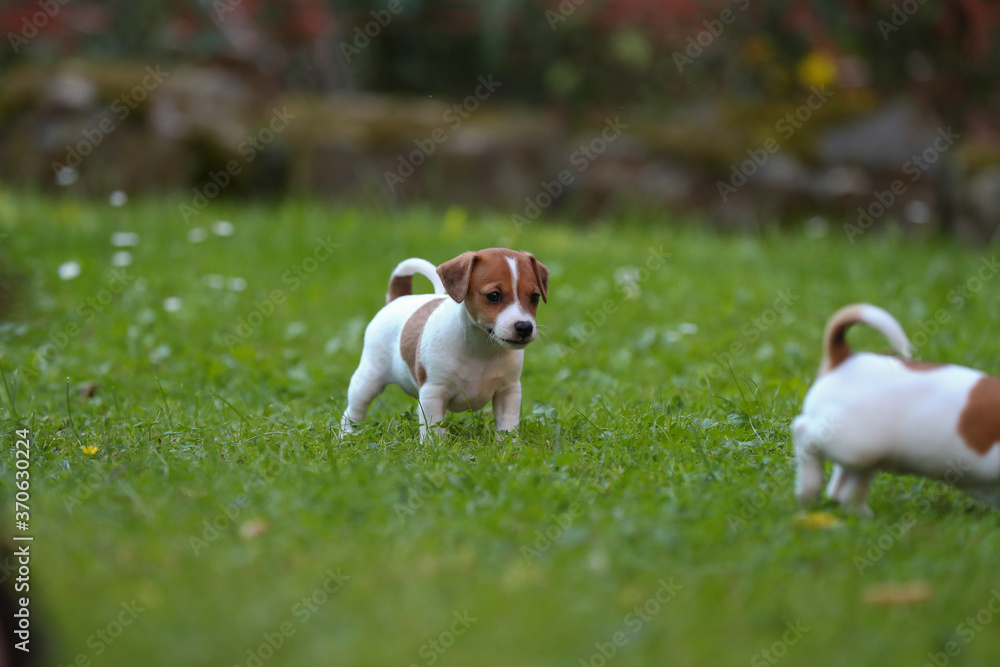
819 437
381 362
368 381
376 369
809 459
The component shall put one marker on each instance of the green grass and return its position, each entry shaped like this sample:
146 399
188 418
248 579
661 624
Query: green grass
650 451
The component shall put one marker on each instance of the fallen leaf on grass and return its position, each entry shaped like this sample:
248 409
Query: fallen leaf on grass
907 592
252 528
816 520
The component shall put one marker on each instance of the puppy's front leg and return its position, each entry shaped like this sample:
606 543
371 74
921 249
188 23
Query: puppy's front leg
809 476
433 403
853 492
507 407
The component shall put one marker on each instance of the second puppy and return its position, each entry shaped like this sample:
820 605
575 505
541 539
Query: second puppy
872 412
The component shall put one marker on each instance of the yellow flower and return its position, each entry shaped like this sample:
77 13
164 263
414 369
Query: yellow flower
89 449
816 520
454 222
817 69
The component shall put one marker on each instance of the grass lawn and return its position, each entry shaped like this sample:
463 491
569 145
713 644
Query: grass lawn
192 503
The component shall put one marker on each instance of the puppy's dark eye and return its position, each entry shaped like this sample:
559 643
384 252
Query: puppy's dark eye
534 299
494 297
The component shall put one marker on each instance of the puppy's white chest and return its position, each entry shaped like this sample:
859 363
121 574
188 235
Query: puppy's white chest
477 380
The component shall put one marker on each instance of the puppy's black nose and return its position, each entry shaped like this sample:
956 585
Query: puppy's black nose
523 328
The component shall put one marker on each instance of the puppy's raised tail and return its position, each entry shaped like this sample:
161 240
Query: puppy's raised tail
401 280
835 348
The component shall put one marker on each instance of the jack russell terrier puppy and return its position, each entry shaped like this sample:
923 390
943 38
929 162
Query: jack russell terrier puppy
871 412
455 349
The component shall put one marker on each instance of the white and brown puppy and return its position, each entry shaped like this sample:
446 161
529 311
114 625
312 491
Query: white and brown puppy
458 348
871 412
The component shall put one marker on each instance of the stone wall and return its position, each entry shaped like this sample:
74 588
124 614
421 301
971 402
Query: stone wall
841 160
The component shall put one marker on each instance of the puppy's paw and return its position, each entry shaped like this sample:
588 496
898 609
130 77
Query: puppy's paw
347 427
434 433
862 511
510 435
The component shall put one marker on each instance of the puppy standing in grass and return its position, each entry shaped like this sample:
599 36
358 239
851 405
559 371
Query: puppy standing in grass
871 412
455 349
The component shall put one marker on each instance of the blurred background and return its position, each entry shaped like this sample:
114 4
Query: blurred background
828 114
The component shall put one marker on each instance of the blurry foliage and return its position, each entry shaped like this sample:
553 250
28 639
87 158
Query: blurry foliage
580 55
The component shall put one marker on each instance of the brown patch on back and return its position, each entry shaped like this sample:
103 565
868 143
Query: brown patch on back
979 424
921 365
400 286
409 339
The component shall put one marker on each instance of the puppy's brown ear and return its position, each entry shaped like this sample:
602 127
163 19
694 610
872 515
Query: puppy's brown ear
541 275
455 274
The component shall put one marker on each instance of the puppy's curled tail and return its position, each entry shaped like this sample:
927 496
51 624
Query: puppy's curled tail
835 348
401 280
